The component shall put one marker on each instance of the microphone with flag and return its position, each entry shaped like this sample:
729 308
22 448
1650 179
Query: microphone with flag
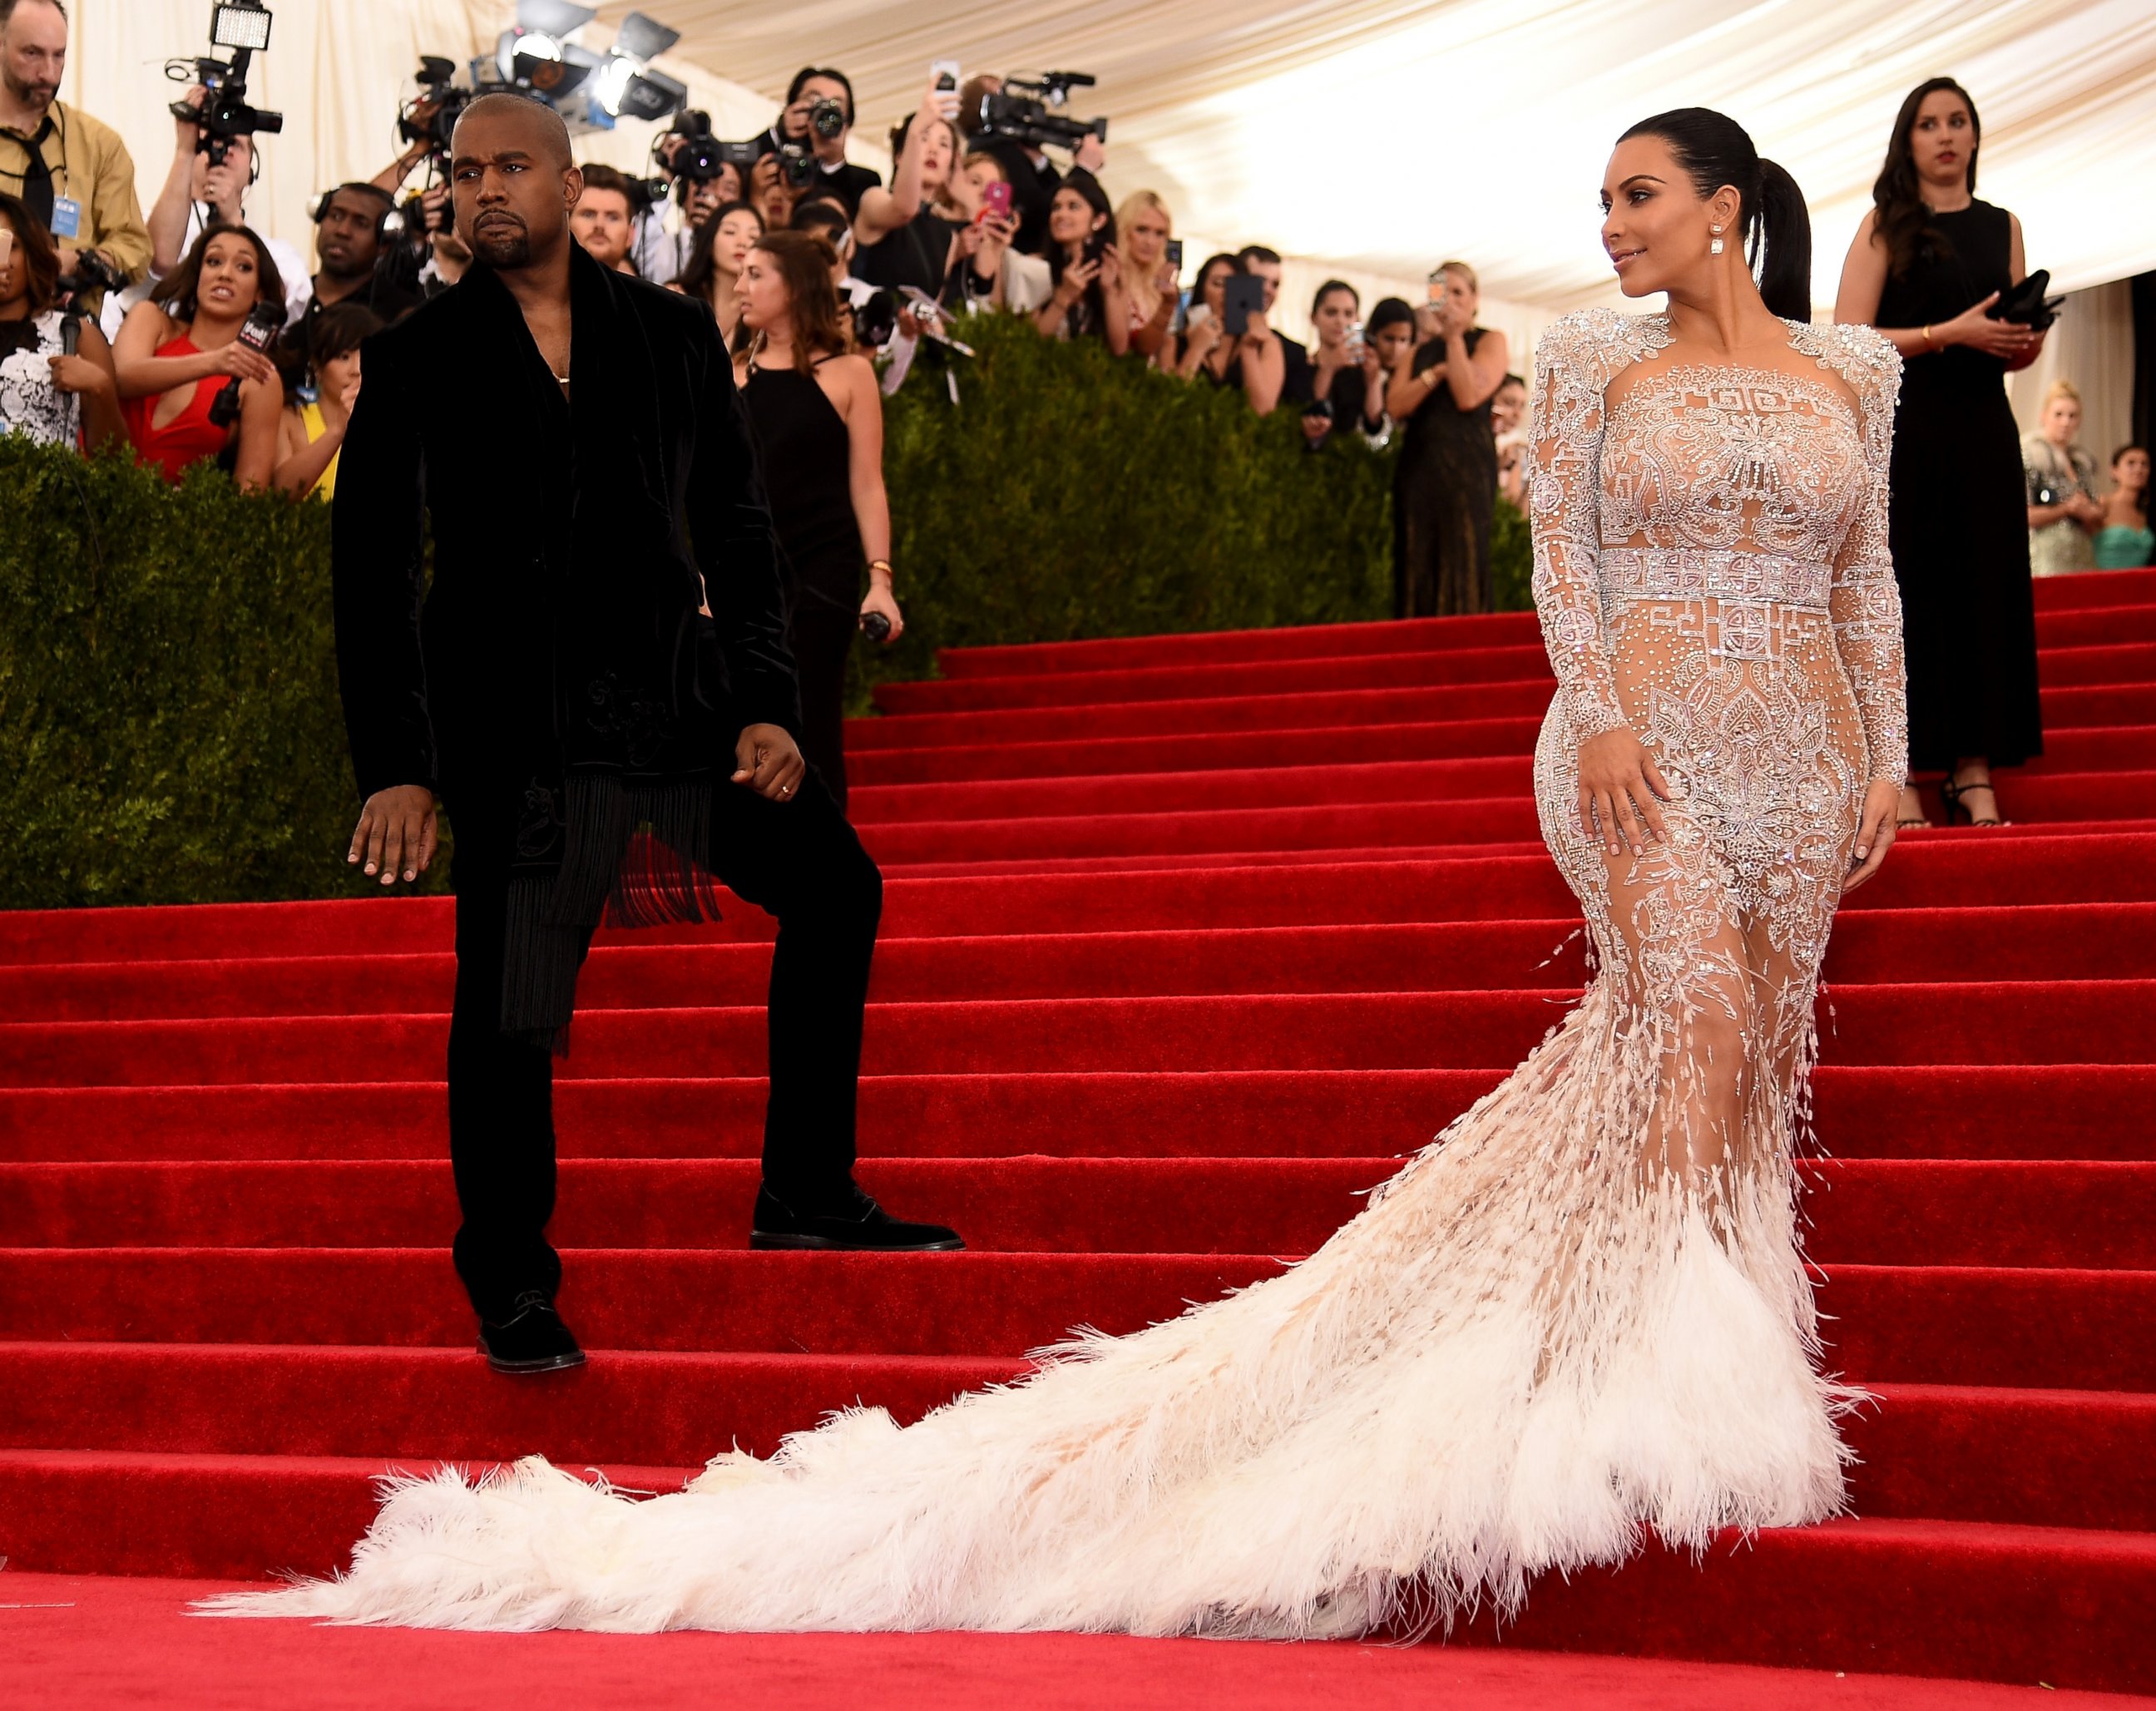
263 325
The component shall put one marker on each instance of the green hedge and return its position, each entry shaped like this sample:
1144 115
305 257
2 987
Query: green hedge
169 727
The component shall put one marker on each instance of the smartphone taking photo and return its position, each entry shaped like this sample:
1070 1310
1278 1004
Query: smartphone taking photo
1242 296
996 199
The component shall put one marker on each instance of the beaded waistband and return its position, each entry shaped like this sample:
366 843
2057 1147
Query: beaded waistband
1714 573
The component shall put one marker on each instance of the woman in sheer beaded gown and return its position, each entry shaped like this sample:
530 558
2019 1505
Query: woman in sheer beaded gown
1583 1312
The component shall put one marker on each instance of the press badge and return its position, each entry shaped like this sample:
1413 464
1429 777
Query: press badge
67 217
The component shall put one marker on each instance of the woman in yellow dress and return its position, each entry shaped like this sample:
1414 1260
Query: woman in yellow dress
310 432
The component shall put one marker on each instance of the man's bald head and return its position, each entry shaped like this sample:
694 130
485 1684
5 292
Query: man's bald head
542 124
513 182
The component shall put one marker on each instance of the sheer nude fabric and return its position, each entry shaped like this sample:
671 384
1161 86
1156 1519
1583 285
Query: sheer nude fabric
1581 1312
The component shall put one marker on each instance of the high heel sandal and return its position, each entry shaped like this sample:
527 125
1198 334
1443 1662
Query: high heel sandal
1952 793
1906 823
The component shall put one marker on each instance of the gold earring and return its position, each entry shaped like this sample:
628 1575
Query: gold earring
1715 247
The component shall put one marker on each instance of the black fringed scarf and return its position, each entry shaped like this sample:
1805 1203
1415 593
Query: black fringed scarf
616 817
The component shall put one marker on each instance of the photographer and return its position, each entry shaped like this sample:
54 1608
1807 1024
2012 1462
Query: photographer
1087 299
55 398
176 351
310 432
898 240
818 117
1298 382
604 219
702 183
349 250
1251 361
72 173
1033 177
199 192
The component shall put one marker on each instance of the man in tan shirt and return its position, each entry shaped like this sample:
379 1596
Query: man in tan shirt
71 170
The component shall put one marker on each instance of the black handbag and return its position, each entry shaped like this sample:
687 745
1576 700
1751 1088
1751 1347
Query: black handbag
2026 303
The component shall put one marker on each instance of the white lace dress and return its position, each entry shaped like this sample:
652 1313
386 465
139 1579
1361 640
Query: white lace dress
1581 1310
29 403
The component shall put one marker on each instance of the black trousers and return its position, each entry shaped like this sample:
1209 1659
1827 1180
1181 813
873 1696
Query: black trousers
798 859
821 635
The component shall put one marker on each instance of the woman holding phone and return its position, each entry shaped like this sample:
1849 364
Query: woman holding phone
1085 272
1150 281
818 416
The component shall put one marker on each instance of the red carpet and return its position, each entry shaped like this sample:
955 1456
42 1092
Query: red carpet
1188 940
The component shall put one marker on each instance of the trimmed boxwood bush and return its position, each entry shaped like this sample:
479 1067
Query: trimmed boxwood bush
169 724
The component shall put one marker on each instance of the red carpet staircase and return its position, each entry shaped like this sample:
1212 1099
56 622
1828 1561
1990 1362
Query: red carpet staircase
1188 939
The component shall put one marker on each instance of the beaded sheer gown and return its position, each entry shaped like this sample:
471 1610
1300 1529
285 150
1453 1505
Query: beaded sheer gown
1580 1314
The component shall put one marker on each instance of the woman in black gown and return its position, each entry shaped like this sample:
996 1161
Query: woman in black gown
1928 261
1445 490
818 418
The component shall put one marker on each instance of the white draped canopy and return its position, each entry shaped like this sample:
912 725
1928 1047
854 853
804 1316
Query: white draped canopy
1373 137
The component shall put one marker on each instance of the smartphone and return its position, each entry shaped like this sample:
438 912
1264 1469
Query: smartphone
1243 296
1174 254
1096 245
945 74
996 199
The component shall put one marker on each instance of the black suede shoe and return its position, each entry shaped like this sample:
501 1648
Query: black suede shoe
856 1223
531 1339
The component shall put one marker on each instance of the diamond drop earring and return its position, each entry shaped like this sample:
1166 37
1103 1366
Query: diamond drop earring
1715 247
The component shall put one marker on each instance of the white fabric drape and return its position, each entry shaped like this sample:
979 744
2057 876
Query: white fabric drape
1369 137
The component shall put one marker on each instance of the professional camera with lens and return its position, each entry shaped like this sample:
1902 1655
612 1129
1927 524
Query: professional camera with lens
698 158
827 117
431 115
243 27
1023 109
797 165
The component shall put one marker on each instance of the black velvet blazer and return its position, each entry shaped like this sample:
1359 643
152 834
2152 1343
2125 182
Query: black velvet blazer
572 546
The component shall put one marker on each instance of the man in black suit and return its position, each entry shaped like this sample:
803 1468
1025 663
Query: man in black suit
573 438
1299 376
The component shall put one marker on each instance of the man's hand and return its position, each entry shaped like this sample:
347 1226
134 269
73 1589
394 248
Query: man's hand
396 830
1091 153
768 762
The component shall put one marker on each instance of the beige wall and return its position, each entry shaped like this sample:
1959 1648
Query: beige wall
2092 346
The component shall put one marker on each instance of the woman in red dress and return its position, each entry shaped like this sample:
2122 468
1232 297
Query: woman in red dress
176 350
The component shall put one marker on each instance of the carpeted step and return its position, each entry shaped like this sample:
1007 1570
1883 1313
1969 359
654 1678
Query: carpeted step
2086 941
1944 1452
2074 1328
2004 1111
1885 1212
2012 866
1992 1022
2018 1604
2095 587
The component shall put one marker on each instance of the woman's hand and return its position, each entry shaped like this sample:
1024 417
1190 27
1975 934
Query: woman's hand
2006 340
241 359
879 600
79 374
1081 274
1112 269
1619 787
1875 832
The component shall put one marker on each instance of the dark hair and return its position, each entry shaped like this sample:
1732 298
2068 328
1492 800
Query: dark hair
829 75
338 329
1714 150
376 191
1326 289
7 12
697 271
1092 309
1233 263
2133 445
1257 252
1520 380
175 293
41 256
1388 312
599 176
1902 223
805 261
904 129
824 216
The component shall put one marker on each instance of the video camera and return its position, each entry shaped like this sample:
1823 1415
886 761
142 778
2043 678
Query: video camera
700 158
1022 110
431 115
243 27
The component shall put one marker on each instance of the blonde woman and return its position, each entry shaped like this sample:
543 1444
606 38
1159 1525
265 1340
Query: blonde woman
1149 283
2064 512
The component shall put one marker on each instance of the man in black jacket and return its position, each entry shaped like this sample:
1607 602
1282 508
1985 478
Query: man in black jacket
574 439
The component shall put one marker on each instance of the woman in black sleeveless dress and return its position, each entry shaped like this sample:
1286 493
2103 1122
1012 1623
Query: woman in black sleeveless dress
817 418
1445 489
1928 261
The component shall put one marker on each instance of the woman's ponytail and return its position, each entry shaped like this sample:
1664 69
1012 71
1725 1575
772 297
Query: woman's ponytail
1781 250
1714 150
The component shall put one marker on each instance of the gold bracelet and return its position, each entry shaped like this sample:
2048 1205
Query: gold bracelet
1928 335
883 565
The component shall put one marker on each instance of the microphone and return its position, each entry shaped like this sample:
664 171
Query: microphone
71 334
263 323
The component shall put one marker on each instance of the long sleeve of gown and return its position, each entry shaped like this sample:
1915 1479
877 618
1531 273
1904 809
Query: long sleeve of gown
1564 503
1867 602
377 539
